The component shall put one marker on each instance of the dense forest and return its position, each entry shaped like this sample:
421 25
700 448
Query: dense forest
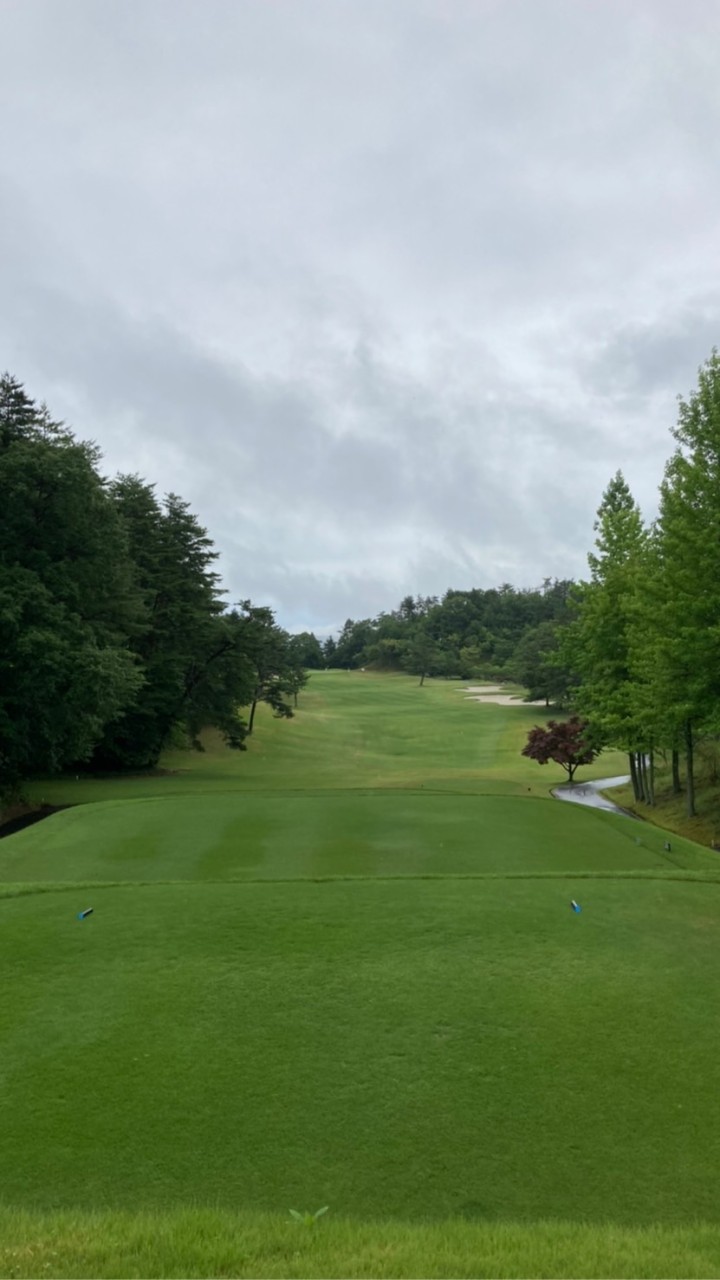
115 638
501 633
644 640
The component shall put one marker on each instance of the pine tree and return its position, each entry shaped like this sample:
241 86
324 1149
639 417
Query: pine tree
67 597
187 650
597 645
686 598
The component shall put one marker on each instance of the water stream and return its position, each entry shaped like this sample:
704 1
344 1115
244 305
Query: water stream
589 793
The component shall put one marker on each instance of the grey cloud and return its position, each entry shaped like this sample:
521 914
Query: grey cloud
641 359
387 292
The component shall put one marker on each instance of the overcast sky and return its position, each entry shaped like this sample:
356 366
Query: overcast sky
386 289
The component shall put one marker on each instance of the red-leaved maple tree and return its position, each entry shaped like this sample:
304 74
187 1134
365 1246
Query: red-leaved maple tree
567 742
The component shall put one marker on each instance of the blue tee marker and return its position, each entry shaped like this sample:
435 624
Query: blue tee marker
82 914
575 906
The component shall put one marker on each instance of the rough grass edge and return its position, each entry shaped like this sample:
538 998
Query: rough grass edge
201 1242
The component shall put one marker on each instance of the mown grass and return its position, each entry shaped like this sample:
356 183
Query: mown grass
412 1048
354 833
354 729
357 983
193 1242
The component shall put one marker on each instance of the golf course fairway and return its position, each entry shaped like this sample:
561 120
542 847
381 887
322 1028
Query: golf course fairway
341 969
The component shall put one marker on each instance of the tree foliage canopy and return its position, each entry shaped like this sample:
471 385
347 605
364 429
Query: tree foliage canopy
568 742
113 629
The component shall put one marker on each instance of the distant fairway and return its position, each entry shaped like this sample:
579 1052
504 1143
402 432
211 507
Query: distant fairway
341 969
359 730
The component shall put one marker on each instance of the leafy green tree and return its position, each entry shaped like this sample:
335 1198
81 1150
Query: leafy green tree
409 610
329 650
306 650
296 679
60 684
352 643
189 651
685 643
470 662
67 596
424 656
276 674
218 683
653 692
386 653
597 645
536 663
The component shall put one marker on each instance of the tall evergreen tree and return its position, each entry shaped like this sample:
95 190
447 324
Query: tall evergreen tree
67 596
686 602
276 671
597 645
189 652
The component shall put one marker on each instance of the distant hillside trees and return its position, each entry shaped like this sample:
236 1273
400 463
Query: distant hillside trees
499 633
306 651
537 663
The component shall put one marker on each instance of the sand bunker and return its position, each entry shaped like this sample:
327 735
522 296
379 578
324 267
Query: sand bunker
494 693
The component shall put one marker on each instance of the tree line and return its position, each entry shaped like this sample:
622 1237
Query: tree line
502 633
643 643
114 635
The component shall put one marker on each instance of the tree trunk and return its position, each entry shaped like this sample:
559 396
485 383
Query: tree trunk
690 770
677 788
422 679
640 793
651 776
633 774
571 772
645 775
252 716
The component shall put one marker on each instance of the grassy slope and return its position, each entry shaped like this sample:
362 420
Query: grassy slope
670 812
408 1048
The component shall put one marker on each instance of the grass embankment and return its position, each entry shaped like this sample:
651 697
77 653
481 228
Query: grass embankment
369 993
670 809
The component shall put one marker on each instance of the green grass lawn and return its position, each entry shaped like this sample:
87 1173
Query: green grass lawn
341 969
355 729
